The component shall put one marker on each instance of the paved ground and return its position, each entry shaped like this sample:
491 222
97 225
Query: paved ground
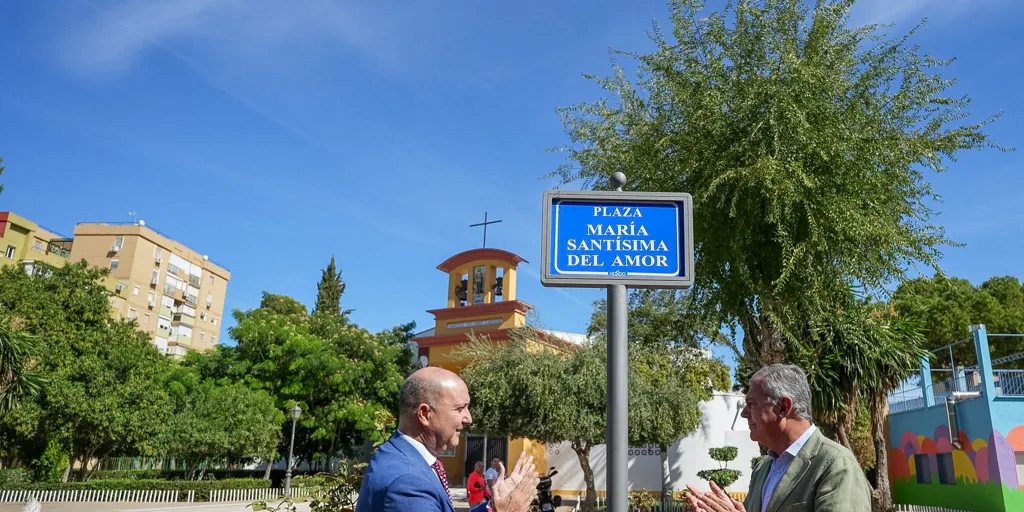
138 507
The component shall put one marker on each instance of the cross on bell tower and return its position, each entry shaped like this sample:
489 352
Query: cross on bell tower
485 223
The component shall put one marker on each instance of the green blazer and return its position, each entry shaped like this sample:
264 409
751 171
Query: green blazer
824 477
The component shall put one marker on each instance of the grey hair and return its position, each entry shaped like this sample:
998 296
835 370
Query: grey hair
787 380
416 391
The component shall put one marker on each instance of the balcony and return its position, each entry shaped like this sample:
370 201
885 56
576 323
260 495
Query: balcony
184 319
163 332
166 311
172 269
191 299
169 289
194 280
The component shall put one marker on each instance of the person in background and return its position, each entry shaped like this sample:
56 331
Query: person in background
491 475
804 470
476 486
405 473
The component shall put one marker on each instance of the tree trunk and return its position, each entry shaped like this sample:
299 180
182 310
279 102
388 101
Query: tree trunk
270 465
666 478
67 470
583 453
843 436
882 494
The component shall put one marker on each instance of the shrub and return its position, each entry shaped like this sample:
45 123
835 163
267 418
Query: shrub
723 476
10 477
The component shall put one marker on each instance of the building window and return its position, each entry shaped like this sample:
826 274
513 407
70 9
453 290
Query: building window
38 247
202 335
216 320
209 299
157 253
155 278
145 321
135 290
131 314
10 252
211 278
924 468
119 242
113 264
150 297
213 340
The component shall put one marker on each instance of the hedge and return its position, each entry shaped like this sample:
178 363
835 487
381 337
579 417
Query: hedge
276 475
202 487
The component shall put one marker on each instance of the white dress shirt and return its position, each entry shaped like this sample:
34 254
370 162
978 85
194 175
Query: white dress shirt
427 456
781 463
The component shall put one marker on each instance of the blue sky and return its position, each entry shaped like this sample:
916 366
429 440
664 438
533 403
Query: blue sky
271 135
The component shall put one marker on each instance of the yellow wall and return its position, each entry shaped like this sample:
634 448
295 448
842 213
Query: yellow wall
30 242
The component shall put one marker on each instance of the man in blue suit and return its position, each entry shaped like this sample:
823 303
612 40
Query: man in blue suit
405 473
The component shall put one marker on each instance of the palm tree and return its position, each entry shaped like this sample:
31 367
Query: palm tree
18 378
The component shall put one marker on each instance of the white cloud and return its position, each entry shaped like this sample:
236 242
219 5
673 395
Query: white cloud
902 12
111 36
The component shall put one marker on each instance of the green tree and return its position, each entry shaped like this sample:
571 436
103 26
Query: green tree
546 395
213 422
557 396
665 339
18 379
329 291
803 141
344 378
946 306
102 395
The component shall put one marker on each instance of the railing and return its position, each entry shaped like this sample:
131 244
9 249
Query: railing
78 495
223 495
172 269
169 289
922 508
1009 382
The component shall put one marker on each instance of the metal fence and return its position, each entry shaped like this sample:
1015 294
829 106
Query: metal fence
219 496
922 508
78 495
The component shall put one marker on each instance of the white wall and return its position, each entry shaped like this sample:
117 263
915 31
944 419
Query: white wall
720 426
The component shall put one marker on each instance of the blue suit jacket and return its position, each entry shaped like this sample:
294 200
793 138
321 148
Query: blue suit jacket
398 479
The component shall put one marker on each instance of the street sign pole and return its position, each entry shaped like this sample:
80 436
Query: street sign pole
617 389
617 240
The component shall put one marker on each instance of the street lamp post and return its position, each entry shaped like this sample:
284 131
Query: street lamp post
296 412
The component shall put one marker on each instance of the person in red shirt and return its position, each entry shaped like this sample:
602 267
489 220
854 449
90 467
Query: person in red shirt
477 487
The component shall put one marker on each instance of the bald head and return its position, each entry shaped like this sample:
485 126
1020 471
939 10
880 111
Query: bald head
434 405
425 386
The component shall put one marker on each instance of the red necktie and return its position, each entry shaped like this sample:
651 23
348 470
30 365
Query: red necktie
439 469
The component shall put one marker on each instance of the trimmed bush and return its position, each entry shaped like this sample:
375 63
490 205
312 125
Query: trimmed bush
9 477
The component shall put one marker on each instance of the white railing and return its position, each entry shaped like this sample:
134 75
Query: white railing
922 508
223 495
68 495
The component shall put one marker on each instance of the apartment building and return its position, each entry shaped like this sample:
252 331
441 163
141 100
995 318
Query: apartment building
24 240
176 294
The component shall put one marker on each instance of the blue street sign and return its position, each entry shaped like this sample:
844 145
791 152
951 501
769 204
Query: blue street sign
639 239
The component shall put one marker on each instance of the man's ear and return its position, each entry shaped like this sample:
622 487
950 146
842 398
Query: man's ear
785 406
423 414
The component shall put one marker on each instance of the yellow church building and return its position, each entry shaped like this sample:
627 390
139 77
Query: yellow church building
482 300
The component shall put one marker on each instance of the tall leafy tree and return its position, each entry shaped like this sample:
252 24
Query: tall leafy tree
213 422
803 141
666 339
102 395
329 291
557 396
946 306
344 378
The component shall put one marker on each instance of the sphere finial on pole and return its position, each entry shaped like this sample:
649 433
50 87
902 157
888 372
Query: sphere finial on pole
618 180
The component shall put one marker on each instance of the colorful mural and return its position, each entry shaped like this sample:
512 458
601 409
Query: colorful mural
979 475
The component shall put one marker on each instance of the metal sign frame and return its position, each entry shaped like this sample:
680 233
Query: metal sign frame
612 198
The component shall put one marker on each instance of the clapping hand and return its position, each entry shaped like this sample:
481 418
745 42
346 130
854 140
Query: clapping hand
715 500
515 493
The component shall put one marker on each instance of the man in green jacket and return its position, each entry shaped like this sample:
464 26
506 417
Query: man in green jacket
804 471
